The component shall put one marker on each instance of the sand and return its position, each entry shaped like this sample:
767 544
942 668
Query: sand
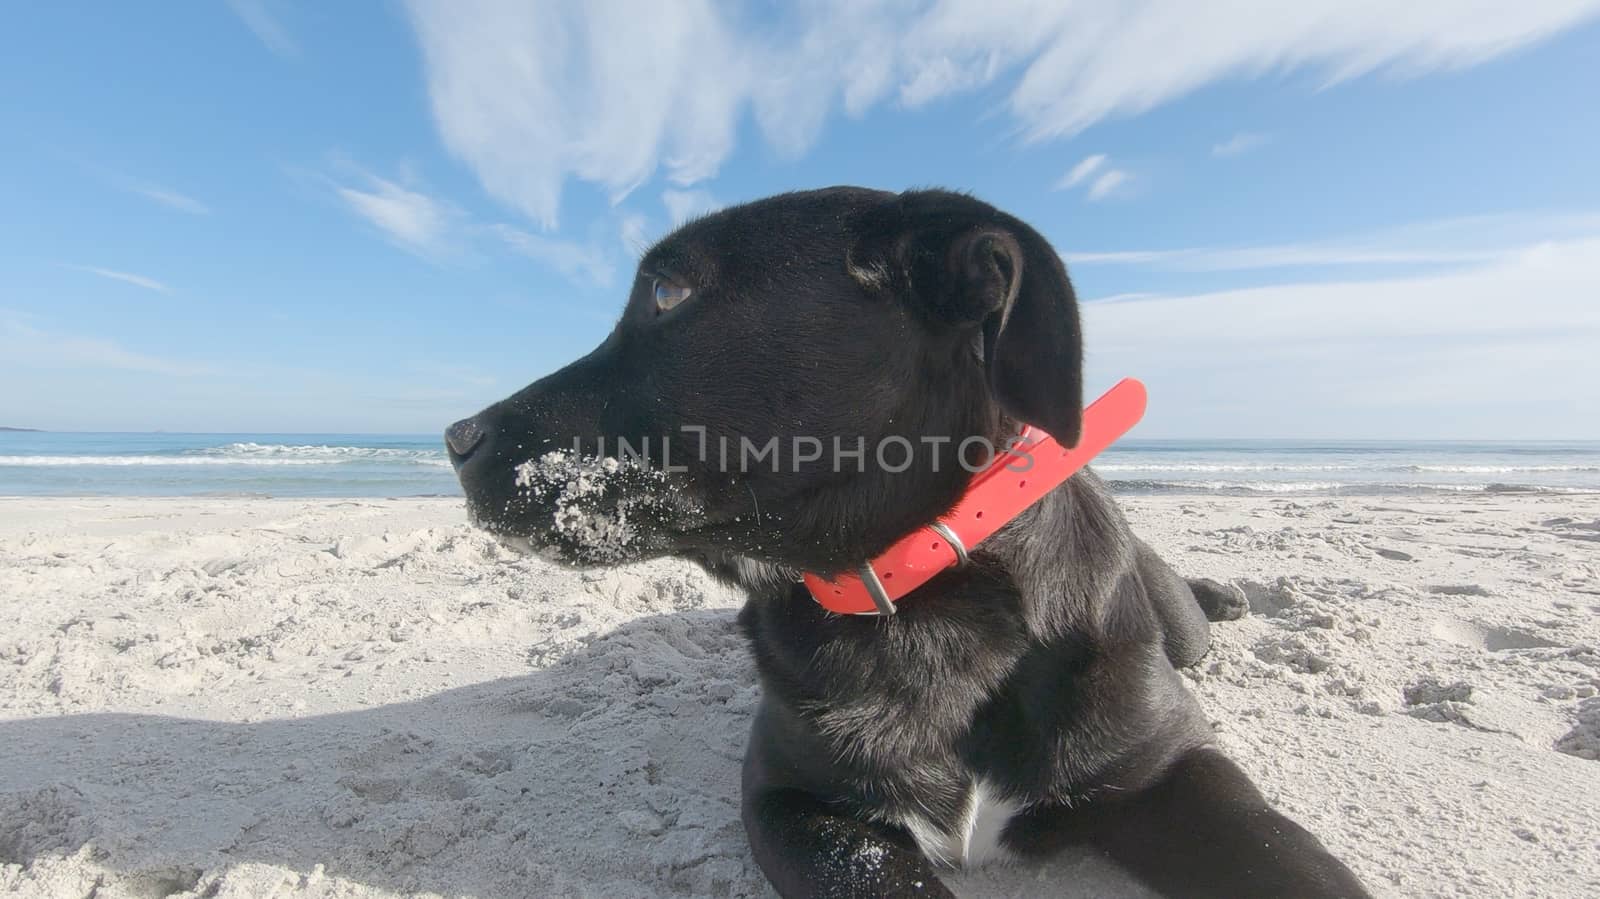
224 697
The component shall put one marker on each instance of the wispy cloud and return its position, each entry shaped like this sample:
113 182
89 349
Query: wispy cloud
1093 170
1243 142
260 20
125 277
683 205
171 199
158 193
583 263
413 220
610 91
1088 166
1374 358
1107 184
522 93
1456 241
24 345
435 229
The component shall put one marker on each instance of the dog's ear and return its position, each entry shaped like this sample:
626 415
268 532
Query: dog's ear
967 265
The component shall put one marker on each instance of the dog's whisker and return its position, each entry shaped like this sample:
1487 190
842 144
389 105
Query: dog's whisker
754 501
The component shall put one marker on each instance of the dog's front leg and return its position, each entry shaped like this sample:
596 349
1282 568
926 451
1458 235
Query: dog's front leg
807 849
1203 830
1185 632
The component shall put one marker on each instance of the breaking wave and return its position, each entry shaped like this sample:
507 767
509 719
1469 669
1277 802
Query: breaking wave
247 454
1324 488
1236 468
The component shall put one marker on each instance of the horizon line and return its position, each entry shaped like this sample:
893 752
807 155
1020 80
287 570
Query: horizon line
1131 438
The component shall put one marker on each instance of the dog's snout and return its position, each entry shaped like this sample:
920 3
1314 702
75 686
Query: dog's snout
463 437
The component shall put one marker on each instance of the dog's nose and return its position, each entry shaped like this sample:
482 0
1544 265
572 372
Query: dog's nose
463 437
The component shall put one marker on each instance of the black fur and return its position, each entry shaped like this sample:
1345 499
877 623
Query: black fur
1045 668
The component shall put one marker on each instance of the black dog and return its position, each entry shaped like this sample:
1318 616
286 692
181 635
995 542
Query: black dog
1022 703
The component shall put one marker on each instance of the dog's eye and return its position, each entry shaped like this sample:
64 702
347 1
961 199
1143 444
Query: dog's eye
669 295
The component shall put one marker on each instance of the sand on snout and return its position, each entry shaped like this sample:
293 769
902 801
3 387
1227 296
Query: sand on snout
228 697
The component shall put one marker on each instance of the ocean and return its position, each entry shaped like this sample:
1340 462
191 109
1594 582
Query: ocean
351 465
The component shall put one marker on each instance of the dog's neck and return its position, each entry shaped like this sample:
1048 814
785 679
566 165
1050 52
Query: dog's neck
1039 551
1046 553
1030 469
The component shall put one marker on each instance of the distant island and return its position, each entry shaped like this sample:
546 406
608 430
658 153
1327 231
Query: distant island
30 430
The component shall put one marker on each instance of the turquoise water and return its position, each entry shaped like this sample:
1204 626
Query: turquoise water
1321 467
80 464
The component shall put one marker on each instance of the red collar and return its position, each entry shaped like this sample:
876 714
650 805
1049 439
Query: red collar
996 495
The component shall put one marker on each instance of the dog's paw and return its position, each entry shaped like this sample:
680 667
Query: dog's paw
1220 602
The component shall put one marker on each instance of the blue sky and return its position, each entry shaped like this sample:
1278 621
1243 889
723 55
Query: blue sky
1321 219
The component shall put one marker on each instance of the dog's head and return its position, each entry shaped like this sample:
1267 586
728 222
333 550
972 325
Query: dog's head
799 380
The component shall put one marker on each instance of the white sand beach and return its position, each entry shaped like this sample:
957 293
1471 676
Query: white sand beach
250 698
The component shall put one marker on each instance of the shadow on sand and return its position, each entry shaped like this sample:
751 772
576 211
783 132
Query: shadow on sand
612 773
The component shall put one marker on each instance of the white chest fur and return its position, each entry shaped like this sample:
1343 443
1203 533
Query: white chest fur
975 839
